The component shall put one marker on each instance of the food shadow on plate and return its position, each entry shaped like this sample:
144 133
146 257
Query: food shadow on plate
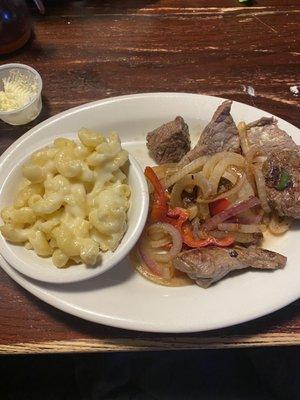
236 273
295 225
113 277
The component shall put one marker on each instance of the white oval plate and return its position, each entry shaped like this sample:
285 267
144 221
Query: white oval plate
121 297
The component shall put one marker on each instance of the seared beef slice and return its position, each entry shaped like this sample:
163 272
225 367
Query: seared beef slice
282 167
220 134
170 142
282 176
210 264
267 136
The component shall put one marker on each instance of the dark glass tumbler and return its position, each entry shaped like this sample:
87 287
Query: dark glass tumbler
15 25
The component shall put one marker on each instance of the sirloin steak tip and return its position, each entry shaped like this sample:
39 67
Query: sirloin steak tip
170 142
265 134
282 176
207 265
220 134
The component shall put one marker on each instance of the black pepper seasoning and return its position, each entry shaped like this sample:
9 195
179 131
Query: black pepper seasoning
233 253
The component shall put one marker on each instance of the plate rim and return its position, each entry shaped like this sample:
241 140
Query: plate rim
126 324
113 321
108 100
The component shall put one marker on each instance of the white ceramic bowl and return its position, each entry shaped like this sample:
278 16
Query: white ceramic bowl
30 264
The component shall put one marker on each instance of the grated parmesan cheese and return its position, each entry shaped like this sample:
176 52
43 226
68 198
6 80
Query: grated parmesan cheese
18 91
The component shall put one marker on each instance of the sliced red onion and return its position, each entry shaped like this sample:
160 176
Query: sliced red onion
247 218
155 267
217 219
151 264
175 235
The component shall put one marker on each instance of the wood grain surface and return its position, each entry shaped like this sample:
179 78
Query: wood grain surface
89 50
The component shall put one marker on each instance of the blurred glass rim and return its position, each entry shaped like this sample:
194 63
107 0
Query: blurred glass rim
40 6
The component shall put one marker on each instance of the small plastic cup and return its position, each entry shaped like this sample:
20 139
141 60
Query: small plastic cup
30 111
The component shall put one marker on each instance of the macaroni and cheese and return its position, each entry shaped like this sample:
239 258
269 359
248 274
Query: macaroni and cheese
73 201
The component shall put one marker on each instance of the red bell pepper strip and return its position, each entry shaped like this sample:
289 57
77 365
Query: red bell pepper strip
182 215
218 206
189 239
178 216
159 207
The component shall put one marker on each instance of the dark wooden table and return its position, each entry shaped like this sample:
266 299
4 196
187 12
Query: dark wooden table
88 50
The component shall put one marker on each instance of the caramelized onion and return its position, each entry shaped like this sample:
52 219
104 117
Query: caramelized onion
239 237
176 239
190 180
242 128
164 171
187 169
152 253
279 225
160 243
231 192
222 165
243 228
155 268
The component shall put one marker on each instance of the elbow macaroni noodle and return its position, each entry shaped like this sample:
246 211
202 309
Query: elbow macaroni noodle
74 200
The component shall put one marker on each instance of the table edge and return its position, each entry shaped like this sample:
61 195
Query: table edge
115 345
